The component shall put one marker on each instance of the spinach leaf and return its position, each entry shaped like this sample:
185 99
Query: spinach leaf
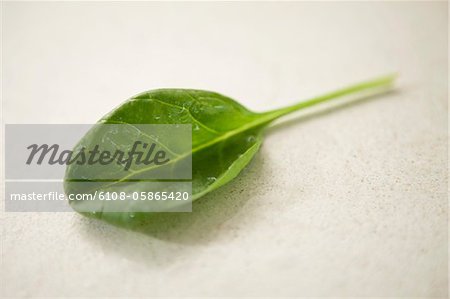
225 134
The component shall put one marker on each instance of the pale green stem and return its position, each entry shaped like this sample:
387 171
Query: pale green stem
371 85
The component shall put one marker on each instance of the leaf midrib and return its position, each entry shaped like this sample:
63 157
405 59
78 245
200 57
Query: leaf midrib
259 121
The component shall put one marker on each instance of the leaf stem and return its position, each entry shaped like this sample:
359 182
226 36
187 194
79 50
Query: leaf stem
371 85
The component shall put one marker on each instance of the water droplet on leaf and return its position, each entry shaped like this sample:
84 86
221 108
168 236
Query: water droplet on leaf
251 139
211 179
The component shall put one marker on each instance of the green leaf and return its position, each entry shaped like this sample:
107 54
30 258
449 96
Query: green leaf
225 134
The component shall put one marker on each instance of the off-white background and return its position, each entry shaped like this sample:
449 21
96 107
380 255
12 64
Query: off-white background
351 202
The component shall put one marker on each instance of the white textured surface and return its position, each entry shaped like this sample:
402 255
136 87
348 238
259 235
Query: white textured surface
347 203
